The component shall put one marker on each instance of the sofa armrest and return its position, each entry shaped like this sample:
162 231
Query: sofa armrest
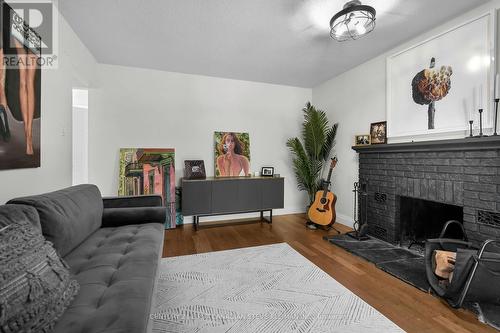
117 217
120 211
133 201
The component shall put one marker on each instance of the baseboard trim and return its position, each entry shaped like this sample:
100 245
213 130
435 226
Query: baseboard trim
345 220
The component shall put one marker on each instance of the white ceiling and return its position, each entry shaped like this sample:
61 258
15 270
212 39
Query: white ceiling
275 41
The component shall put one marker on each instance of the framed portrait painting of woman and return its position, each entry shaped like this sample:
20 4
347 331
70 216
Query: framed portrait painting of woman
232 154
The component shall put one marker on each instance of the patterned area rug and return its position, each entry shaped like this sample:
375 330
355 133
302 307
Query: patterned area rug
268 288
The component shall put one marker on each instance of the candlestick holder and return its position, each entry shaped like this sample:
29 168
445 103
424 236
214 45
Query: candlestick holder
470 128
481 123
496 115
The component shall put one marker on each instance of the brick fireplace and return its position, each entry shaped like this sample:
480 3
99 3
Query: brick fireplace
464 173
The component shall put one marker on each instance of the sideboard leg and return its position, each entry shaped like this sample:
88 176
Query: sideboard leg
268 220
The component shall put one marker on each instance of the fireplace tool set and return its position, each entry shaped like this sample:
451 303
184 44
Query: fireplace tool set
360 224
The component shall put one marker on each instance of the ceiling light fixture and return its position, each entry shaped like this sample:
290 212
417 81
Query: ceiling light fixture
352 22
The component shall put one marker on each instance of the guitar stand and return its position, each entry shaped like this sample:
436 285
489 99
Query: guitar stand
311 225
322 227
331 227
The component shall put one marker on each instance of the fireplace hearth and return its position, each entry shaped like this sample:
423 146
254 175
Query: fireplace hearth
462 173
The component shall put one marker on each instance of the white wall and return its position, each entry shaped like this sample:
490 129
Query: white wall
147 108
354 99
357 98
80 136
76 67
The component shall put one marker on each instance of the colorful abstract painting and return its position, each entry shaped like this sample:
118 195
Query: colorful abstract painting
146 171
232 154
20 91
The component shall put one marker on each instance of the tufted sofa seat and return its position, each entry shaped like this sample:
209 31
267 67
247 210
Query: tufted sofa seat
115 263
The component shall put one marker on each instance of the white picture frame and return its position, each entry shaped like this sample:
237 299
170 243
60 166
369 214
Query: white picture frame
469 49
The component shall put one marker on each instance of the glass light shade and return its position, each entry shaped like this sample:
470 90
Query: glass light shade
352 22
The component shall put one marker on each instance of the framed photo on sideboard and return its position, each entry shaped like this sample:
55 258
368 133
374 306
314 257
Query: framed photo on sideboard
194 169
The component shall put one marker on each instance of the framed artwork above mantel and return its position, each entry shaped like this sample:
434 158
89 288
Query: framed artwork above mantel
437 85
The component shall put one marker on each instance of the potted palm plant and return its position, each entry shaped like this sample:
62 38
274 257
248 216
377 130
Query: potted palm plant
311 154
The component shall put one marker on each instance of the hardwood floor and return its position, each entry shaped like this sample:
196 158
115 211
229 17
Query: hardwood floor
410 308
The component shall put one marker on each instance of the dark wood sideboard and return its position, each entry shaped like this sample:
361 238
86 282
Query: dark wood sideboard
221 196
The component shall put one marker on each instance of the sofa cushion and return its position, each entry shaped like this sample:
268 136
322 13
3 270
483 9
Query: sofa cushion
116 270
35 285
67 216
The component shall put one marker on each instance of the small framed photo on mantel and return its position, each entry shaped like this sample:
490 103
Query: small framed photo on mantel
378 133
362 140
267 172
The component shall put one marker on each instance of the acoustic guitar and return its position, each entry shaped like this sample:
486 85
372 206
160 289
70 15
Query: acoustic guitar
322 211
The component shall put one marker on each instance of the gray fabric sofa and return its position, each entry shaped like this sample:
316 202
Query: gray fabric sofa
113 246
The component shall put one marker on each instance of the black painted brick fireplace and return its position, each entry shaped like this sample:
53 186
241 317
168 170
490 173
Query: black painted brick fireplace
464 172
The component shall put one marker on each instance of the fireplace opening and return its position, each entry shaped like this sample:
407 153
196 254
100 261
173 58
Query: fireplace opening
423 219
